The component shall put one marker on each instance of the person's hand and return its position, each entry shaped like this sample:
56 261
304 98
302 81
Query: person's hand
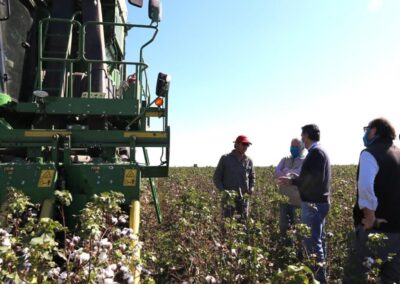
251 190
283 181
372 223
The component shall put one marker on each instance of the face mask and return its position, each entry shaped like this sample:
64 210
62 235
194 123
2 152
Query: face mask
295 151
366 141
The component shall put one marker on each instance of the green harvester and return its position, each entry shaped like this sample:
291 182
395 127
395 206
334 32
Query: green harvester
75 113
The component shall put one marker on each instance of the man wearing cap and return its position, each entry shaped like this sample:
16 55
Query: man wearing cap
235 171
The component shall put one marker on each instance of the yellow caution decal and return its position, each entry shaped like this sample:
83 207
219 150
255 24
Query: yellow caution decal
154 114
46 178
130 177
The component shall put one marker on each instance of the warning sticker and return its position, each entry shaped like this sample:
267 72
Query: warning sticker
46 178
130 177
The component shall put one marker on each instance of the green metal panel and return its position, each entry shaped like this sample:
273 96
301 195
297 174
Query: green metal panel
35 180
90 179
84 138
77 106
155 171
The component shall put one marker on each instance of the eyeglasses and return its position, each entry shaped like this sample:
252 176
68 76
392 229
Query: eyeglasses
246 144
366 128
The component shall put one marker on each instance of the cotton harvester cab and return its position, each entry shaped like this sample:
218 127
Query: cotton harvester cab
74 112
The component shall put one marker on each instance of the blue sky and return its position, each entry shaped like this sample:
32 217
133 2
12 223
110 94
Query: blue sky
264 68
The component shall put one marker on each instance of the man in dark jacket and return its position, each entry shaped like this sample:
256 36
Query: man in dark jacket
314 187
377 209
235 171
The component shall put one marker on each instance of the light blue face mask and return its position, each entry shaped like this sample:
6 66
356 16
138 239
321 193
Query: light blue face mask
295 151
367 141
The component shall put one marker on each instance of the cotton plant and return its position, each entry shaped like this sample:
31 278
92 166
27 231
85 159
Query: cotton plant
102 250
373 262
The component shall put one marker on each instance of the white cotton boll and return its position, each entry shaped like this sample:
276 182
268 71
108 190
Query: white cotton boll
130 280
76 239
127 231
105 243
108 281
6 242
234 252
100 278
103 256
211 279
64 275
84 257
127 275
122 219
27 265
124 269
4 233
62 278
114 220
118 232
108 273
133 237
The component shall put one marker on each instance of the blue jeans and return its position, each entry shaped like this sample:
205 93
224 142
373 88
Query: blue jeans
313 215
287 217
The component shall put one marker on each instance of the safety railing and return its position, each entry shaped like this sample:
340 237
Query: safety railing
80 56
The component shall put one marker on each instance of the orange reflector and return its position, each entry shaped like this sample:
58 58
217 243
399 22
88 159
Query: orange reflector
159 102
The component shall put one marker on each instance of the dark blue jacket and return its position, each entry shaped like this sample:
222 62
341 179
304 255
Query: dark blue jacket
314 182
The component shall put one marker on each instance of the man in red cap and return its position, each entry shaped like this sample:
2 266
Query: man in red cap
235 171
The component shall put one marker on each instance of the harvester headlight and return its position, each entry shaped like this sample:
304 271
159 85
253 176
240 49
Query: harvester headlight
163 82
137 3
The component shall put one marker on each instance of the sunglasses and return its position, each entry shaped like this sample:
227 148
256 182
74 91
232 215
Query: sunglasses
246 144
366 128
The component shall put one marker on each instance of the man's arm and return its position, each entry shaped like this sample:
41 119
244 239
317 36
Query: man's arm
297 169
278 170
252 178
219 175
367 200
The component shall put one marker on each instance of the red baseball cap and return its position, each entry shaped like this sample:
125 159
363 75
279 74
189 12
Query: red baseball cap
242 139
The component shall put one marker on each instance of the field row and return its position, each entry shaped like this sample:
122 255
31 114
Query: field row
195 245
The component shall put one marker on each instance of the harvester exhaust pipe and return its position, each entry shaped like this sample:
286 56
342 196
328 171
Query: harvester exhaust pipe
54 80
95 43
